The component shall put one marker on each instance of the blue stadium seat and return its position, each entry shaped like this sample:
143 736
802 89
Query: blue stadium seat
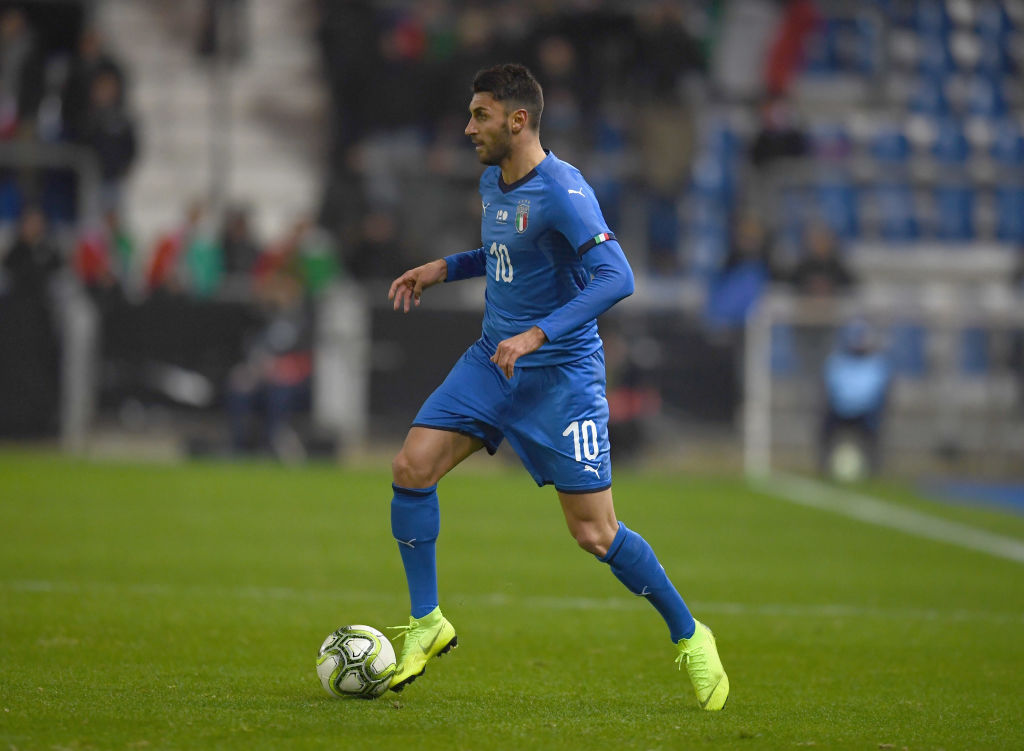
1008 142
1010 213
993 58
889 144
11 200
837 204
934 58
931 18
820 48
709 245
991 20
897 219
974 351
985 96
954 208
928 96
908 349
950 145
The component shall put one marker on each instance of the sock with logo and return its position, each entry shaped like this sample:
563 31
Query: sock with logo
415 524
634 564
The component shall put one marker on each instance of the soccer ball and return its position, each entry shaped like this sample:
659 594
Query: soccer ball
356 661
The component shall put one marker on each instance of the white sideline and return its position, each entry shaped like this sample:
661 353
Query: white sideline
813 494
522 602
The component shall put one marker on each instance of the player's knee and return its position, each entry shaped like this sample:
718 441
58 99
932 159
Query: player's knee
408 472
592 539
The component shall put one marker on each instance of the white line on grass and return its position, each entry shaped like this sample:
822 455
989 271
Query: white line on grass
814 494
504 600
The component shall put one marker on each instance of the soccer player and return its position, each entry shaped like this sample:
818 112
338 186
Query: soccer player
536 375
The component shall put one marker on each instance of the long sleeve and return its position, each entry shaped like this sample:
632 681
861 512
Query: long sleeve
611 281
466 265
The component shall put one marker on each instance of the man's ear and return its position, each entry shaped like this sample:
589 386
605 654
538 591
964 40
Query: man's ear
519 118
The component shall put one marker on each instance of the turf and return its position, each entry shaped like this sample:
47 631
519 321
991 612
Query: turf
149 607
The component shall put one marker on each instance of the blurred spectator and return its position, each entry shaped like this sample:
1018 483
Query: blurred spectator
91 60
163 273
821 271
306 253
779 135
21 72
747 269
857 376
665 54
109 131
33 258
274 380
223 30
785 55
240 247
103 257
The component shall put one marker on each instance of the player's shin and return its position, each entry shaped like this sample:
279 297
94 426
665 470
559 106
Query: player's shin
634 564
415 524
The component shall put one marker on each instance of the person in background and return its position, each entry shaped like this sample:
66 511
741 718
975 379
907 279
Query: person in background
275 378
821 272
857 376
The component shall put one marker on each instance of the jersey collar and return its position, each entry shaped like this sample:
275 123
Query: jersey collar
505 187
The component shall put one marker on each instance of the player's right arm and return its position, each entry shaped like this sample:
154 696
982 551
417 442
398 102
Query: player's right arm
410 285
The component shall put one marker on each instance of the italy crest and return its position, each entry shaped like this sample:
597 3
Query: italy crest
522 216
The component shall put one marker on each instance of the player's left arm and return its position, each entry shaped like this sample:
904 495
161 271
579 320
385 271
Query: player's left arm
611 280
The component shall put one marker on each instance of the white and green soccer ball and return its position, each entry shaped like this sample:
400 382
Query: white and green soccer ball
356 661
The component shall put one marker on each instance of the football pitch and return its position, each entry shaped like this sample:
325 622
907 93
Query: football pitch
151 607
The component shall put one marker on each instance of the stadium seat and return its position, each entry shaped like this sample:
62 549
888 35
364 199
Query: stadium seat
709 245
896 216
889 144
837 204
974 351
928 96
908 350
931 18
984 96
1008 143
10 199
950 146
991 20
954 209
934 58
1010 213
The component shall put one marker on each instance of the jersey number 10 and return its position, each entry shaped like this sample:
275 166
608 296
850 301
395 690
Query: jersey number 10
503 267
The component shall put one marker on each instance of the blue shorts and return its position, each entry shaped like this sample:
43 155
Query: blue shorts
554 416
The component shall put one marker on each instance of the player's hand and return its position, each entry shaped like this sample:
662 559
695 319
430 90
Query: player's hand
409 286
511 349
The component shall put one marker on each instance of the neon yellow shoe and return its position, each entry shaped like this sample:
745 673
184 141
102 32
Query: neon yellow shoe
430 636
700 654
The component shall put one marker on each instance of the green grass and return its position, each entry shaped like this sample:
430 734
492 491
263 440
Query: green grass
148 607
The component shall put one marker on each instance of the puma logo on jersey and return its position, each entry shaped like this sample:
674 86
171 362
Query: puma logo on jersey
578 192
588 468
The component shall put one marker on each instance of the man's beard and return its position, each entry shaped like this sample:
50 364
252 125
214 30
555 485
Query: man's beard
502 146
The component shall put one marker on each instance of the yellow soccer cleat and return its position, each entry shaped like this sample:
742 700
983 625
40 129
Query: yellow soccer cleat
700 654
430 636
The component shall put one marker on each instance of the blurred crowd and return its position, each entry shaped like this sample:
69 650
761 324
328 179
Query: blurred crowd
690 120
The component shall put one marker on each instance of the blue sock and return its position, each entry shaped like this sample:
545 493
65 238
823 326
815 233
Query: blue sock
415 524
635 565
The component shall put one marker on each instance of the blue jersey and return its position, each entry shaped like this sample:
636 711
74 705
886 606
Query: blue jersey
549 258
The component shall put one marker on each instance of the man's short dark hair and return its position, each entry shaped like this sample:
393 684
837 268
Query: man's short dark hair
512 84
